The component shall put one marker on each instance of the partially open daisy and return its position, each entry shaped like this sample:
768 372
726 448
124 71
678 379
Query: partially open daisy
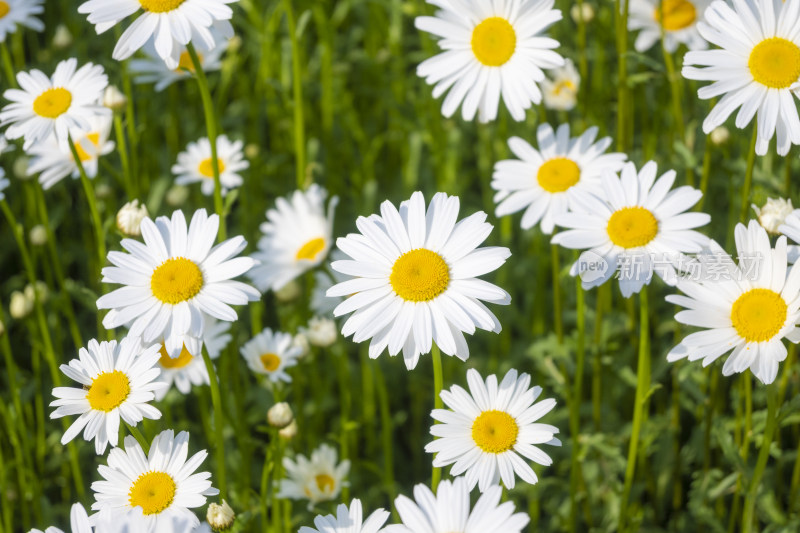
749 312
490 49
15 13
544 182
117 381
415 279
55 161
316 479
756 69
270 354
43 106
175 277
348 521
170 24
153 69
635 227
163 483
296 237
490 427
449 510
679 19
560 89
195 166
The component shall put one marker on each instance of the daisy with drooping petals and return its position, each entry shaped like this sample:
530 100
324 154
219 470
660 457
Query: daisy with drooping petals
348 521
756 69
544 182
489 428
296 237
174 278
316 479
490 50
415 279
153 69
118 381
43 106
15 13
194 165
679 20
749 312
163 483
449 510
270 354
637 226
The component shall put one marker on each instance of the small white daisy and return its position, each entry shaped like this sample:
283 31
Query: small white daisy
560 90
270 354
44 106
756 68
544 182
174 278
490 49
317 479
194 165
489 428
296 237
163 483
118 381
348 521
55 161
15 13
449 510
635 227
415 279
679 20
749 312
153 69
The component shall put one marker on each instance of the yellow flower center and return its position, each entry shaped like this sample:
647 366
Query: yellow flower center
758 315
176 280
108 390
494 41
310 250
677 14
495 431
419 275
175 362
558 174
185 62
4 9
52 103
564 86
270 361
631 227
160 6
207 170
153 492
325 483
775 63
94 138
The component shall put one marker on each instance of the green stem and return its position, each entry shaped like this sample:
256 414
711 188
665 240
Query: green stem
748 177
575 404
387 428
130 122
344 411
8 66
122 148
92 201
603 292
621 8
555 263
143 442
436 355
219 422
297 87
763 457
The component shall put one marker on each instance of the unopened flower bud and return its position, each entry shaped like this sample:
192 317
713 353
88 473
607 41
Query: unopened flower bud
321 332
280 415
129 218
720 135
772 215
177 195
251 151
583 12
220 517
20 168
20 306
2 328
62 37
38 235
114 99
288 292
289 432
301 341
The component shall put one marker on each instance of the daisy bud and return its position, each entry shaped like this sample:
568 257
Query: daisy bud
39 290
583 12
2 328
20 168
720 135
220 517
20 306
289 432
38 235
234 43
103 190
251 151
280 415
301 341
321 332
177 195
114 99
129 218
773 214
288 292
62 38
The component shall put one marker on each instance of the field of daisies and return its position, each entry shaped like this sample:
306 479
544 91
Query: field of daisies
399 266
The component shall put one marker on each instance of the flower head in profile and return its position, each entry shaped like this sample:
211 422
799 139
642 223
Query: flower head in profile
15 13
317 479
271 354
678 18
195 165
560 89
348 520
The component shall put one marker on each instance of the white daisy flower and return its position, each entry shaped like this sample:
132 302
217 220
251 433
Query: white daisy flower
296 237
173 279
324 279
449 510
44 106
490 49
749 311
270 354
153 69
560 90
54 159
489 428
415 279
679 20
348 521
168 24
757 68
563 165
163 483
117 382
194 165
635 227
15 13
318 479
